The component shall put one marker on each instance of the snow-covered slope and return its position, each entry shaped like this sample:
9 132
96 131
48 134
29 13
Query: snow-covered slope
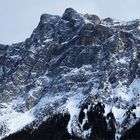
77 65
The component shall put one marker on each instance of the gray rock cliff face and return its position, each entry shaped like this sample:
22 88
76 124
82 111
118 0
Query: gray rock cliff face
68 62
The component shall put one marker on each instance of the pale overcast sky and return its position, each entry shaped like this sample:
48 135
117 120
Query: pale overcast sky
18 18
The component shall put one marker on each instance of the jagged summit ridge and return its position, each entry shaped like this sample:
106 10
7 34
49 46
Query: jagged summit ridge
76 69
70 13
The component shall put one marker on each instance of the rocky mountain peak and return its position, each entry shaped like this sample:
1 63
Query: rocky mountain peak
77 73
70 14
93 18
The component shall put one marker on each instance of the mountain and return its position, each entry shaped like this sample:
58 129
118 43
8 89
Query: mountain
76 77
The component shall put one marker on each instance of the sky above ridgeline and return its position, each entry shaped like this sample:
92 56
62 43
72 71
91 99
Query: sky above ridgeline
18 18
